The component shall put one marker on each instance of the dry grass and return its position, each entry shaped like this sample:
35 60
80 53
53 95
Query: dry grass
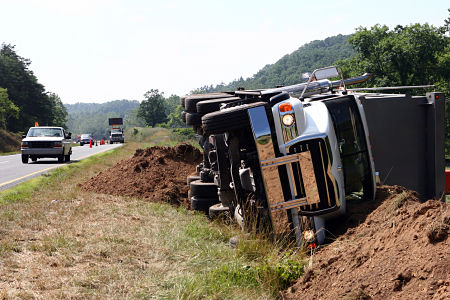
59 242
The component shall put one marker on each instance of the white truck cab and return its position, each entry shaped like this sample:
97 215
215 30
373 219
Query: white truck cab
45 141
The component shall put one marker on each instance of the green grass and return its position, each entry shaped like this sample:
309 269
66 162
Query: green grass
10 153
127 248
23 191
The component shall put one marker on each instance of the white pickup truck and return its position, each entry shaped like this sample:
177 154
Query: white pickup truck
46 142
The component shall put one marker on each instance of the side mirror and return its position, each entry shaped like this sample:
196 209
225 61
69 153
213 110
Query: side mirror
69 135
326 73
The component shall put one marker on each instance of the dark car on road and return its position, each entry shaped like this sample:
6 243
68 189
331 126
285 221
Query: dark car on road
86 139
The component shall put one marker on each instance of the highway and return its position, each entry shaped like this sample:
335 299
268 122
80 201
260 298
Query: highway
13 171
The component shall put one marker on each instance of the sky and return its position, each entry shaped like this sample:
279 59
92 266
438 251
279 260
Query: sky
103 50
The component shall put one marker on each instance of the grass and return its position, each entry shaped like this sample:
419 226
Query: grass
10 153
58 242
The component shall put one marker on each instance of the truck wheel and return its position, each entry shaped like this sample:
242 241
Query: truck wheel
202 204
229 119
67 157
81 144
190 102
207 106
61 158
24 158
218 210
193 119
204 189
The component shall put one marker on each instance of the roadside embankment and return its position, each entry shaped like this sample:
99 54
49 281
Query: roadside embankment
9 142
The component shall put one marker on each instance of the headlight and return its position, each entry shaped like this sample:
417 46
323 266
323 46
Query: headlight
24 145
288 120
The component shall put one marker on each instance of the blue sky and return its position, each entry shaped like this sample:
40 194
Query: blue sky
102 50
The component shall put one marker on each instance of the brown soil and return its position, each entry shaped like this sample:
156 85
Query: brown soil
156 174
392 248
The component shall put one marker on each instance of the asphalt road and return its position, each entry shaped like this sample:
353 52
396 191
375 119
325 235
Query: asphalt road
13 171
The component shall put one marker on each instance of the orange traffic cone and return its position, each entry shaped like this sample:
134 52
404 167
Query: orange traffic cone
90 144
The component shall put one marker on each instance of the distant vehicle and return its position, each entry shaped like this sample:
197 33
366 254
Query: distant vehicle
116 137
46 142
86 139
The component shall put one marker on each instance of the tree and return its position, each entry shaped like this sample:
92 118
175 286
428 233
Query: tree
406 55
153 109
175 120
59 112
172 103
24 91
7 108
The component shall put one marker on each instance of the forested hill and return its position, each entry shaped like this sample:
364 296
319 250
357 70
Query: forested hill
289 69
93 117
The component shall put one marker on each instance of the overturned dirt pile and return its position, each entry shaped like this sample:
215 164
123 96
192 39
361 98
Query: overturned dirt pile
399 250
156 174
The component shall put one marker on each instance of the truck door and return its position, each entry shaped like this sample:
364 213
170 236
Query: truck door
355 157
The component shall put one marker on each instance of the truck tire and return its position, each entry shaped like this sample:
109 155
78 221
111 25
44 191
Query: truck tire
218 210
190 103
229 119
207 106
202 204
193 119
204 189
24 158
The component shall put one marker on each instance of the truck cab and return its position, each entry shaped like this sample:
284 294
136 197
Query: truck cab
286 160
44 141
116 137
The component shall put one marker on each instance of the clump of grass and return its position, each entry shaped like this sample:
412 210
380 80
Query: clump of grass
240 278
7 247
399 200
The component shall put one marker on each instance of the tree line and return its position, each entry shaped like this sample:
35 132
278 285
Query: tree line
417 54
93 118
23 100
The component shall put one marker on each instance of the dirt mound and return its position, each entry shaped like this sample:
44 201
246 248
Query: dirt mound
393 248
156 174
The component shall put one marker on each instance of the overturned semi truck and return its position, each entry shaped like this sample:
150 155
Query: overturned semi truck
286 160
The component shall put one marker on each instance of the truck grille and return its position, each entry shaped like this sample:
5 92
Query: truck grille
326 183
40 144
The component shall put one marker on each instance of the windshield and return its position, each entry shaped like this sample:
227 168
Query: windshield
352 147
35 132
85 136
